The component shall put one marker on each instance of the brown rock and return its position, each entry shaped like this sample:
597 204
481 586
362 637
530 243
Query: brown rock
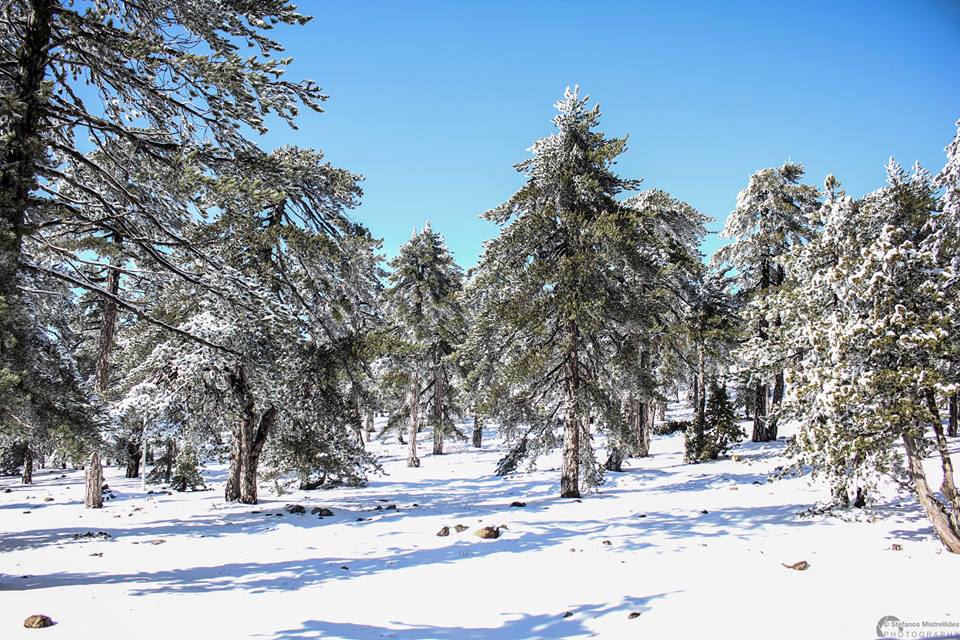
488 533
460 528
633 614
321 511
38 621
295 508
444 532
803 565
517 503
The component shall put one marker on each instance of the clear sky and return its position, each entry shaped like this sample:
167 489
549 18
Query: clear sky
435 101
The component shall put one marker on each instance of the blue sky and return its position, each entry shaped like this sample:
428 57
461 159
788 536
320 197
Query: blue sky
435 101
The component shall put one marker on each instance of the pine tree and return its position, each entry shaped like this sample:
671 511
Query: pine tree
872 317
556 292
709 437
427 322
771 216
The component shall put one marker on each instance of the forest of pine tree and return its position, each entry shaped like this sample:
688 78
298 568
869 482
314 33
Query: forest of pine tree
190 310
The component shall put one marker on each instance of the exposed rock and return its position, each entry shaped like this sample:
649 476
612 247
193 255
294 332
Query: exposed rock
803 565
158 541
444 532
737 457
38 621
321 511
295 508
8 490
460 528
48 499
517 503
633 614
607 542
98 535
568 614
896 547
488 533
704 512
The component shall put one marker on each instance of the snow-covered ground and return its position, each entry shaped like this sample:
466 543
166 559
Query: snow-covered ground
696 550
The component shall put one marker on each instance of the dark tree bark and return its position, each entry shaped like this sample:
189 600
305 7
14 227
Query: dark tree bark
438 392
642 413
570 473
700 407
477 432
779 387
133 459
93 498
108 325
952 411
760 413
368 427
232 490
27 476
614 460
413 460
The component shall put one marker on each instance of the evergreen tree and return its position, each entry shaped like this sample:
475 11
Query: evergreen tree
427 322
771 216
872 317
710 437
557 291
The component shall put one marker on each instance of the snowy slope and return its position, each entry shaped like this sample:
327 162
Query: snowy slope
234 571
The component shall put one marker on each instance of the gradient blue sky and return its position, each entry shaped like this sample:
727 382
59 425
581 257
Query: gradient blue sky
435 101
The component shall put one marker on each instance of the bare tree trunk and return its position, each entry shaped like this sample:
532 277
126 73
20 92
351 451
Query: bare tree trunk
946 530
368 428
760 413
93 499
779 387
27 476
642 413
952 405
661 411
477 431
699 408
413 460
614 460
438 392
133 459
252 442
108 324
232 490
948 488
144 451
570 473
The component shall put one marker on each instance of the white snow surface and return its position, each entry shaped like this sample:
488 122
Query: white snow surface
238 571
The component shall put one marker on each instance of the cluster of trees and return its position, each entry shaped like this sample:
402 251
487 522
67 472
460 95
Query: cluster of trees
169 288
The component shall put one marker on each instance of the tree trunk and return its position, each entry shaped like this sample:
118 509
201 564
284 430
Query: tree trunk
438 392
779 387
133 460
570 473
614 460
144 454
952 404
232 490
477 431
93 498
661 411
700 407
108 324
695 392
642 413
27 475
948 488
946 530
413 460
760 413
171 456
368 428
22 148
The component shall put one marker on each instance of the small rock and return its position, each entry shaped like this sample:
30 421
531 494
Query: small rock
444 532
321 511
295 508
99 535
641 515
517 503
488 533
633 614
803 565
460 528
391 506
48 499
360 519
736 457
26 511
756 482
607 542
8 490
96 555
896 547
345 568
568 614
38 621
157 541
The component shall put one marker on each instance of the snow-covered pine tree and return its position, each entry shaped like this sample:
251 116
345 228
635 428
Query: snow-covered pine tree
426 320
947 241
168 79
294 275
669 258
872 319
771 216
557 287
